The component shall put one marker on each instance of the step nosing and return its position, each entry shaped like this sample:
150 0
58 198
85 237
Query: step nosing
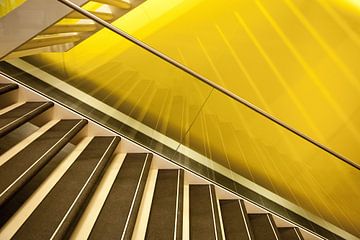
38 161
85 185
165 217
135 196
127 190
79 180
26 116
5 88
204 212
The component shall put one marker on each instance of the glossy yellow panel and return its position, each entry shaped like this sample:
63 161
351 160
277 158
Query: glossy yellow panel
130 80
295 59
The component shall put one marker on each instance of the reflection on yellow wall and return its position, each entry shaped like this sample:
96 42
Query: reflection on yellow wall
291 58
7 6
298 60
295 59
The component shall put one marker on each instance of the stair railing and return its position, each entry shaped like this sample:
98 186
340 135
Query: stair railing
208 82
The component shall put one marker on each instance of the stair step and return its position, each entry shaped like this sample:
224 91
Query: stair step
118 214
18 116
235 220
31 51
6 87
30 191
290 233
103 15
49 40
58 212
165 220
204 215
116 3
263 227
65 28
20 168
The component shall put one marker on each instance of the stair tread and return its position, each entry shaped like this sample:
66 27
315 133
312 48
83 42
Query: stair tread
118 214
263 227
165 220
290 233
235 220
204 218
68 28
20 168
116 3
9 208
58 211
6 87
18 116
48 40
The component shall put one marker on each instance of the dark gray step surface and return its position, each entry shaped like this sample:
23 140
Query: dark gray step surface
165 220
59 211
17 135
263 227
9 208
118 215
290 233
235 220
204 215
25 164
20 115
6 87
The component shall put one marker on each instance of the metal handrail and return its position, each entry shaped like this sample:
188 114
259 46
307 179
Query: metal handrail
207 81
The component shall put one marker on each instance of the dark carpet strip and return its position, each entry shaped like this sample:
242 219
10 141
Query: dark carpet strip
6 87
57 214
204 217
17 135
20 115
235 220
165 220
118 215
10 207
263 227
25 164
290 233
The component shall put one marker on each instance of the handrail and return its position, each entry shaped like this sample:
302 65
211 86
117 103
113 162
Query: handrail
207 81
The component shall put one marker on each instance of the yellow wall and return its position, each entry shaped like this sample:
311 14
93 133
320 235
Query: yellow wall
295 59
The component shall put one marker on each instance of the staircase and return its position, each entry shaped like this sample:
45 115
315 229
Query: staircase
62 176
66 32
